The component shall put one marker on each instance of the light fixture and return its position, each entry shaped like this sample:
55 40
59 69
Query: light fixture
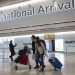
55 4
20 4
19 7
61 33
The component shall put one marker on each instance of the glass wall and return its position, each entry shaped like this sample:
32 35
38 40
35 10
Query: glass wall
4 48
4 45
25 40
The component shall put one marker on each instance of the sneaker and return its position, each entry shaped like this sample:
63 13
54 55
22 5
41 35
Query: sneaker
11 59
10 56
36 67
42 70
44 66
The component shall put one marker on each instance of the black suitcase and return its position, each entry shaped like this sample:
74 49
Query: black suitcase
56 63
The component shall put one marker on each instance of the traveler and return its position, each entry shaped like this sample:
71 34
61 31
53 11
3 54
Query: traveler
40 49
35 53
12 51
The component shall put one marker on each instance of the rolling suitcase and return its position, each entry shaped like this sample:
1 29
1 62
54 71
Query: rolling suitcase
56 63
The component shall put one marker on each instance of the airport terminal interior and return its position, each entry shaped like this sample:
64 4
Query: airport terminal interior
51 20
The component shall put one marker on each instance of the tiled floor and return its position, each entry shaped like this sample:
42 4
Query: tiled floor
68 61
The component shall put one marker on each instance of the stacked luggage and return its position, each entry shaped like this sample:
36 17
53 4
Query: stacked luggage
23 58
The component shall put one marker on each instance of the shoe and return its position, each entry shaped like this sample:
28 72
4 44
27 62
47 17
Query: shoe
36 67
11 59
44 66
42 70
10 56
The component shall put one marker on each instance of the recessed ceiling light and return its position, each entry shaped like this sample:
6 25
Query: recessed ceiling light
69 32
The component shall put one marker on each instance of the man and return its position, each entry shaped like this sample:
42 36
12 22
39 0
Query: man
36 55
33 43
11 47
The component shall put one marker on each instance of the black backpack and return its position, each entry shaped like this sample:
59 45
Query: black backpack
43 43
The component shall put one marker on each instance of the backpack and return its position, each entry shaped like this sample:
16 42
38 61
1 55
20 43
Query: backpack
20 52
43 43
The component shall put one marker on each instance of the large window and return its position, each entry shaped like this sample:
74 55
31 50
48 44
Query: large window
4 47
21 41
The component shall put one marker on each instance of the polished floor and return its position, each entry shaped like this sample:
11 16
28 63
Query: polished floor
68 61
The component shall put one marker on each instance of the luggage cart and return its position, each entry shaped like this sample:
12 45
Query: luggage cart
23 60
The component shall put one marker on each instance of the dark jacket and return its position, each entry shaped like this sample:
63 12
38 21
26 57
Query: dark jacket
33 46
11 47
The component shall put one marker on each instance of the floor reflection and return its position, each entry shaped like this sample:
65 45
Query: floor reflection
68 61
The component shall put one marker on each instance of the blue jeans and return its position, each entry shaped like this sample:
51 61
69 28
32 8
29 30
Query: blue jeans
39 59
42 60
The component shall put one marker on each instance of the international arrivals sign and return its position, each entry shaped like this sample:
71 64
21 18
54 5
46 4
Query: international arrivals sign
41 9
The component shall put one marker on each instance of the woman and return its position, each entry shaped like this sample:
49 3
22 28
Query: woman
40 48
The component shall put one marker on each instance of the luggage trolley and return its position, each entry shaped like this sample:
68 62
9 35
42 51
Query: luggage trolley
22 59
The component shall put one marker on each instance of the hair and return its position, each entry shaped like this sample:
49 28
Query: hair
38 41
33 36
25 49
10 41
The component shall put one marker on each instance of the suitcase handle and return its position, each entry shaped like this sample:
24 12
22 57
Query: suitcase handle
47 56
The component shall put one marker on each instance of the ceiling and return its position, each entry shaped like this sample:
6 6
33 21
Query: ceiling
45 28
37 28
9 2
